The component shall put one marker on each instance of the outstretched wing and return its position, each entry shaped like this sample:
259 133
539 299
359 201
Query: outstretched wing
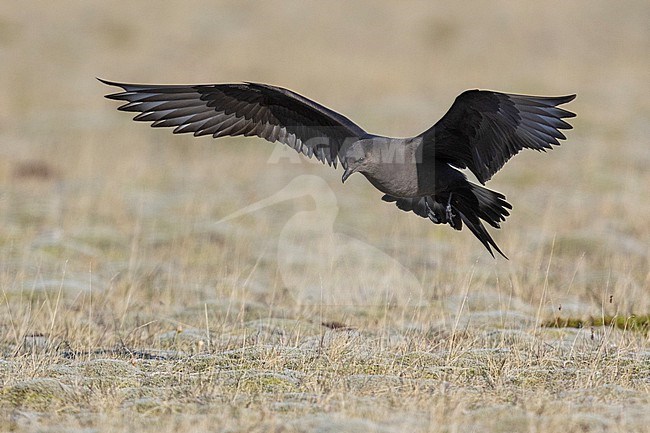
269 112
482 130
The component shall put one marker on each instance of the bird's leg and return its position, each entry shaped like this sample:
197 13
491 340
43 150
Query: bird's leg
449 213
430 212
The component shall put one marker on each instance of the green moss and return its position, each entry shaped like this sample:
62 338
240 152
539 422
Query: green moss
268 383
633 322
37 394
203 363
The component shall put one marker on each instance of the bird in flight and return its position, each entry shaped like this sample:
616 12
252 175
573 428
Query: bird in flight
481 131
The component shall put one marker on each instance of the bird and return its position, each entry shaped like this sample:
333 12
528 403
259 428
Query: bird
422 174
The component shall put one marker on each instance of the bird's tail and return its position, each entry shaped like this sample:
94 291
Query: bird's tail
472 203
467 203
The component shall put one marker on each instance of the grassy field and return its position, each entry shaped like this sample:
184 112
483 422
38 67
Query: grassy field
125 305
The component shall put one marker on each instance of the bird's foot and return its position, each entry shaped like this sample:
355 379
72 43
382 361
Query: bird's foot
430 213
449 211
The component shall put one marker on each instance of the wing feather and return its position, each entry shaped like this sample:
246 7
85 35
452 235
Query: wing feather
483 129
247 109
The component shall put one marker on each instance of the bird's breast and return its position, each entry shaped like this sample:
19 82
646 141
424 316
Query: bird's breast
399 180
414 180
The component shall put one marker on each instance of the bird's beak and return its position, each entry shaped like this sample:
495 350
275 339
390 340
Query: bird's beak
348 171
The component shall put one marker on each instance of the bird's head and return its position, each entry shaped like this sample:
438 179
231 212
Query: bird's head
357 158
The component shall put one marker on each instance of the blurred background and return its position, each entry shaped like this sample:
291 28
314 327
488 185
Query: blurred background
82 188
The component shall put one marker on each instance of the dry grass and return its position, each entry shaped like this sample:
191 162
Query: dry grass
124 306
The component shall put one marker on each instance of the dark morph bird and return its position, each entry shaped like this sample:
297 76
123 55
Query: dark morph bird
481 131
